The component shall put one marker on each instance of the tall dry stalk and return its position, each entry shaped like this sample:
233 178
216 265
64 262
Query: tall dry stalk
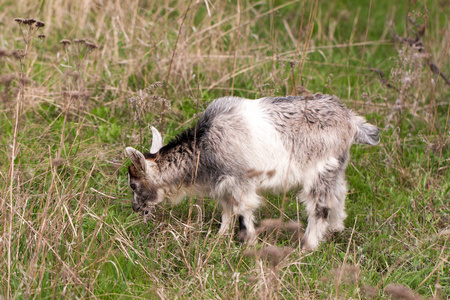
28 29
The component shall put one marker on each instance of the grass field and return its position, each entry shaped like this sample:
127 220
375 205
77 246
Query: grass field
68 110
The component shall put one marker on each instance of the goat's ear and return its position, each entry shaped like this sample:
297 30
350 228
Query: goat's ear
137 159
157 141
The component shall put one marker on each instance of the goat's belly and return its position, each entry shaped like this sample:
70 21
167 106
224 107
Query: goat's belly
277 188
278 178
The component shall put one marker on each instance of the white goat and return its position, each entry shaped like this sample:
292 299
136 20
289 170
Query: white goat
240 148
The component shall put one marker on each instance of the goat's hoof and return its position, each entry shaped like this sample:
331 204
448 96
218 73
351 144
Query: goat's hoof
242 236
245 237
306 245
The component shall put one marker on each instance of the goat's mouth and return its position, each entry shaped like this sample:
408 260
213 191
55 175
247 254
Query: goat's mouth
147 213
143 208
144 205
148 209
137 207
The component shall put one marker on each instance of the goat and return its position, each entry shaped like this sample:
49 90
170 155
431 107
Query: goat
240 148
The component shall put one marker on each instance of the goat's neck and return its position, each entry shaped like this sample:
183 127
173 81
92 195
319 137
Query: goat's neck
177 166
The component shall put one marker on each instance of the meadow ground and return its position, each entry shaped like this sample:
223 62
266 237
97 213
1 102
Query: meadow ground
93 76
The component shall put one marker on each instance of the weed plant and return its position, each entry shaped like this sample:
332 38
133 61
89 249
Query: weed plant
77 91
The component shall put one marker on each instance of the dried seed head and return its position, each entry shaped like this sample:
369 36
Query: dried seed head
41 36
40 24
79 41
398 104
90 45
65 42
3 52
19 20
18 54
29 21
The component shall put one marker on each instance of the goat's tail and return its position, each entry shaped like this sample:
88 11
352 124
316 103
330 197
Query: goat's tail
366 133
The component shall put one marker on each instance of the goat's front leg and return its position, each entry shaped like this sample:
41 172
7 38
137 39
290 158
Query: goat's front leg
245 209
227 213
247 230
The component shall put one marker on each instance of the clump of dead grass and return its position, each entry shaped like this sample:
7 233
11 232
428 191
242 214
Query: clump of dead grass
399 291
369 291
274 228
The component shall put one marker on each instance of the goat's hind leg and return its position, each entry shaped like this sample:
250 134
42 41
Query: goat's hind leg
317 224
319 197
337 213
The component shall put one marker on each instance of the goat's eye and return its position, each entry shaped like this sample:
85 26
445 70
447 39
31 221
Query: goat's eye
132 186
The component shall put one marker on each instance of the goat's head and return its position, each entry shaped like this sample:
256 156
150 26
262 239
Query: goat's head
143 176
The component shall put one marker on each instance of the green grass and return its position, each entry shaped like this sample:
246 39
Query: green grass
66 224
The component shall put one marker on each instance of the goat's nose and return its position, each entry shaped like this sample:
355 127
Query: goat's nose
136 207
